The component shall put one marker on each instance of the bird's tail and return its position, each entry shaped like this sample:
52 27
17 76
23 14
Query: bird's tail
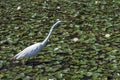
16 56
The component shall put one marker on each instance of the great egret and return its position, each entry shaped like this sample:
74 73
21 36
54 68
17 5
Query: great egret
35 48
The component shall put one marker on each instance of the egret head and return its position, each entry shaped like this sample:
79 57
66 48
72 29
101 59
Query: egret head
57 23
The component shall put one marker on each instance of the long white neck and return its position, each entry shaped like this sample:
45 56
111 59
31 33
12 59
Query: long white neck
51 30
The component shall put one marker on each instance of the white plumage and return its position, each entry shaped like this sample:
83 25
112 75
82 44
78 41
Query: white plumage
35 48
29 51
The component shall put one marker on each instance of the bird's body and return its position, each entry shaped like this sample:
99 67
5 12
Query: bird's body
35 48
29 51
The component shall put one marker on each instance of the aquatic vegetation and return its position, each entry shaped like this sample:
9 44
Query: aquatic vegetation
86 46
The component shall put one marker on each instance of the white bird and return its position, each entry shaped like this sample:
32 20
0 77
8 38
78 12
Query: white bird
35 48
